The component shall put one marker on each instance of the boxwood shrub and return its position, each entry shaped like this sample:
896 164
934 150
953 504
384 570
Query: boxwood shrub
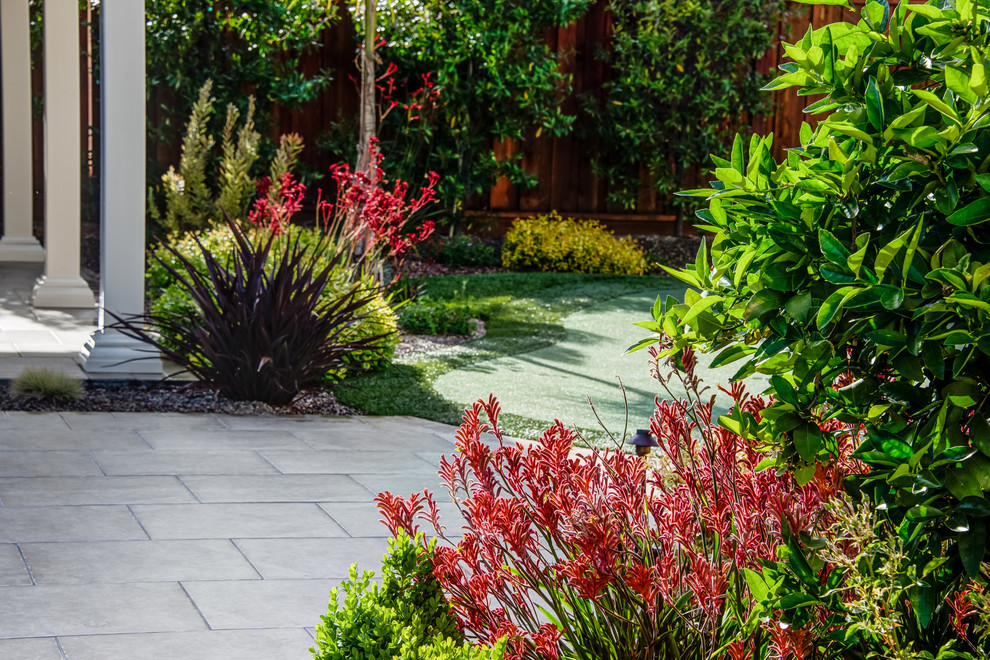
404 618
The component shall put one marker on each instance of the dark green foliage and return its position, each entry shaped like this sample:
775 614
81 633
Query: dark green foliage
684 81
857 274
491 76
260 328
405 617
425 317
247 47
464 250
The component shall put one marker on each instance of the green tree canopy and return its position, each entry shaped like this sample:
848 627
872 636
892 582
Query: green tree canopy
467 73
684 79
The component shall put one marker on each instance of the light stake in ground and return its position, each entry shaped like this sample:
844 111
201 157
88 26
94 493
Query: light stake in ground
643 442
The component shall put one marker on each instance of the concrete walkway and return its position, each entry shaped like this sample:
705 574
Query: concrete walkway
139 535
32 337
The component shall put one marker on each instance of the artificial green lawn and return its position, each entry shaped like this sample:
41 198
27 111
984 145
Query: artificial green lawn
553 341
523 312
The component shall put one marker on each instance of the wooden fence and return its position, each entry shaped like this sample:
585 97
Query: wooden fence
562 166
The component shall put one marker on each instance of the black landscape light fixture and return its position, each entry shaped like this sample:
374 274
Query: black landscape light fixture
643 442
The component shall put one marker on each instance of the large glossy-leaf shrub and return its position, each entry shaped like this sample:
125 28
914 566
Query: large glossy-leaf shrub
856 273
260 327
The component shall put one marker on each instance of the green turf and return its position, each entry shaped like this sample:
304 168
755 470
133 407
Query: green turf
522 312
552 341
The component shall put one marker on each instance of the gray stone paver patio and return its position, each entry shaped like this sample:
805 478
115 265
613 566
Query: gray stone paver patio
146 535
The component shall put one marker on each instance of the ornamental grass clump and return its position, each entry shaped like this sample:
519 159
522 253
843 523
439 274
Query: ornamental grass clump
260 327
47 385
597 555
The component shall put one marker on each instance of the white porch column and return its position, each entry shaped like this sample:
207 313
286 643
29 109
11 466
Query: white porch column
61 285
123 179
18 242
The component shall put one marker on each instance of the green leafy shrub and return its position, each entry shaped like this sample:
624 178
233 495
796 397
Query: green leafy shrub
244 46
197 195
681 71
549 243
261 327
482 72
376 321
464 250
425 317
47 385
405 618
856 274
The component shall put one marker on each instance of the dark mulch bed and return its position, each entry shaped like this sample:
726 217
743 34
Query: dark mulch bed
173 396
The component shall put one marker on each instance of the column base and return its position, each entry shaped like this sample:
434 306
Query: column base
110 352
71 292
21 248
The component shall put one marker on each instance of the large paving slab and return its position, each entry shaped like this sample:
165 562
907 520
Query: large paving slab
48 610
273 644
137 535
69 491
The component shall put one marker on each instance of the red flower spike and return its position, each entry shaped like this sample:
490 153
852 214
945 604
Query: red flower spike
544 524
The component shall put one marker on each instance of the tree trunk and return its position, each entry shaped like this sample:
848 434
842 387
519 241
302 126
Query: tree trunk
366 131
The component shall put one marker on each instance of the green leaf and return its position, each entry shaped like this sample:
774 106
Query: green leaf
836 275
968 300
922 137
834 304
855 260
808 441
896 448
640 345
738 160
923 513
979 434
832 248
937 103
874 104
848 129
973 213
972 547
799 306
960 83
701 266
757 586
887 253
974 506
732 353
978 80
794 601
762 303
891 298
923 603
